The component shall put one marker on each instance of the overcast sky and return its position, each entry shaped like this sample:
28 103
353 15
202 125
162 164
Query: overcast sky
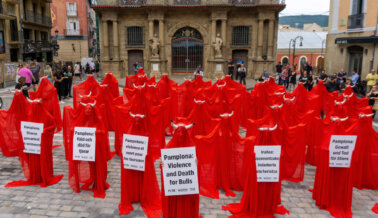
295 7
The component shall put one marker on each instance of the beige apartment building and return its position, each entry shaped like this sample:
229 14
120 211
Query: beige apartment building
175 36
352 36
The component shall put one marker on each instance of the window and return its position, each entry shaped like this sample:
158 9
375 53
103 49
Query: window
285 61
73 26
13 30
134 35
71 9
240 35
357 7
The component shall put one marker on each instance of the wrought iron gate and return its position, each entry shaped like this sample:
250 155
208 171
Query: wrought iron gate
187 50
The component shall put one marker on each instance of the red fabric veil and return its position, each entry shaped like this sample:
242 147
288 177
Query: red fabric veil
183 206
47 93
37 168
140 186
92 174
333 187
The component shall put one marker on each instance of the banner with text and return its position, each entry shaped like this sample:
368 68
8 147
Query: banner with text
134 151
84 144
180 171
340 150
268 162
31 135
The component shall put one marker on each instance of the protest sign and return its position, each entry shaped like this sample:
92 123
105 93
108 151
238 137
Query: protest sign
31 135
134 151
180 171
340 150
84 144
268 162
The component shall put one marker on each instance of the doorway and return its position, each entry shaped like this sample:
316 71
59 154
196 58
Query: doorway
355 59
133 57
187 50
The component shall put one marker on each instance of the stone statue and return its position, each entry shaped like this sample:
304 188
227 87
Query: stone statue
218 46
155 46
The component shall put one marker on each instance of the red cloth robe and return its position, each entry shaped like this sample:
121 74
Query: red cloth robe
138 79
92 174
365 155
183 206
333 187
10 137
89 87
260 199
112 82
220 155
38 168
167 90
139 186
47 93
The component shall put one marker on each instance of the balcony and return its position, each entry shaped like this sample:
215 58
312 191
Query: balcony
139 3
356 21
73 32
30 16
37 46
71 13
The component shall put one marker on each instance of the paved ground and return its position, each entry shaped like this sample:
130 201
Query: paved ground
60 201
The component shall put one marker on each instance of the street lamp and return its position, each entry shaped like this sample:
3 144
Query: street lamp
294 41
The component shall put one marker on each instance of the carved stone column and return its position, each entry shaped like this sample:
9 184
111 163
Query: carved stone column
115 40
213 30
150 29
105 39
260 39
270 39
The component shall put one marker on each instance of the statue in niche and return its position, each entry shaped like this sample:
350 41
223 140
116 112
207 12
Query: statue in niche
155 46
218 46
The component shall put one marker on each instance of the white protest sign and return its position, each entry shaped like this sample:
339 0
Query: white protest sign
134 151
268 163
31 135
84 144
180 171
340 150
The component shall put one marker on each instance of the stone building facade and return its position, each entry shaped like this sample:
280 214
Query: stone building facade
175 36
352 36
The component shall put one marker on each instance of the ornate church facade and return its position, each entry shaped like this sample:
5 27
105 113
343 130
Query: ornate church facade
176 36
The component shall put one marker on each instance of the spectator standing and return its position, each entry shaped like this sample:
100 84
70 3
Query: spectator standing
292 80
341 78
310 81
304 79
285 77
198 71
64 82
238 65
278 72
231 67
48 73
373 99
27 73
242 73
35 69
354 77
266 75
58 83
77 71
308 68
69 80
136 67
87 69
371 79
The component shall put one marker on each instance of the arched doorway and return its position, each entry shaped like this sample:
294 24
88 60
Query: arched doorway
302 63
187 50
355 59
285 61
320 64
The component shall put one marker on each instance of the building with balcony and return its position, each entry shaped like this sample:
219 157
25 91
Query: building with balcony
36 26
72 25
352 36
175 36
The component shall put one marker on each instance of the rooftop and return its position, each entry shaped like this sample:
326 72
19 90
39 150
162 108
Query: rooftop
311 40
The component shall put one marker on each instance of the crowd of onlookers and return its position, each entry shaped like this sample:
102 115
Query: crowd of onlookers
62 76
